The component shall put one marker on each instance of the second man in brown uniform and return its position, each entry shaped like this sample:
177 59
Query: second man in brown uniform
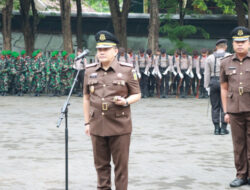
235 95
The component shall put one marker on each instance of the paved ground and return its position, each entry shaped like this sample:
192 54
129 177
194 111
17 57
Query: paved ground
172 146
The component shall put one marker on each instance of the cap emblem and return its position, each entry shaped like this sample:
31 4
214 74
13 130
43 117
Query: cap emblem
102 37
240 32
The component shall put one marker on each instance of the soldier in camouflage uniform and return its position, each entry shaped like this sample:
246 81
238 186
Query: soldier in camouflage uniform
4 70
53 74
67 73
26 62
12 60
21 69
38 73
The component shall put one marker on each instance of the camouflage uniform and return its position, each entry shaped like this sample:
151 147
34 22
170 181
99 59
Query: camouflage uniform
12 73
66 74
4 70
37 75
21 70
54 72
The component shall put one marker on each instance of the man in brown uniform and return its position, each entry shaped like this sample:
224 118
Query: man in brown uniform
235 95
109 88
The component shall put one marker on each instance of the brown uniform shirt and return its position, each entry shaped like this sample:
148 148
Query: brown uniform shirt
237 75
107 118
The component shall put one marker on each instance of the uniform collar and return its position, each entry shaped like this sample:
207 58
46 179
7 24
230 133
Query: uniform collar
235 57
113 66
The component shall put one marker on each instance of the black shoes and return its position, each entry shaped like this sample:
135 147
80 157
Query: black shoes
223 130
238 182
220 130
216 129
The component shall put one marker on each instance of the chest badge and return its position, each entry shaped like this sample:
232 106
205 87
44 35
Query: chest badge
93 75
92 89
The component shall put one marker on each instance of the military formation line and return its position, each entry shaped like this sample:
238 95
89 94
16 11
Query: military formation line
160 75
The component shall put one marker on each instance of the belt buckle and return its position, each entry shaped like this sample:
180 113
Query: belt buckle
104 106
241 91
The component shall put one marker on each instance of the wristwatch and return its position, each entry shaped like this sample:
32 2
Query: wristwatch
126 103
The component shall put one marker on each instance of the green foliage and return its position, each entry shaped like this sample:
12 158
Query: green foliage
16 4
227 6
200 6
174 30
99 6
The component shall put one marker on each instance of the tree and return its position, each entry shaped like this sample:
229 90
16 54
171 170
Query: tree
176 31
119 19
79 24
241 13
66 25
230 7
6 19
29 24
154 24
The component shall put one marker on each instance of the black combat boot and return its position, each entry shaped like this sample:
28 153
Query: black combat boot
216 129
224 130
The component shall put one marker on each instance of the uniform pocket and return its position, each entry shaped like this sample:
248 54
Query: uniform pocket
93 82
121 114
231 72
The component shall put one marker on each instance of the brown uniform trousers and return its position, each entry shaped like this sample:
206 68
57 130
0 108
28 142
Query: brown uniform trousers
103 148
237 74
110 124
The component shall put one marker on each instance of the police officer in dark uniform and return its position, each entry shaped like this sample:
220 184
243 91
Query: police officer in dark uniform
235 95
109 89
212 84
141 62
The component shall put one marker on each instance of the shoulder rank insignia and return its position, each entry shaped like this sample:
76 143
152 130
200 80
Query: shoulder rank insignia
126 64
226 56
91 65
134 74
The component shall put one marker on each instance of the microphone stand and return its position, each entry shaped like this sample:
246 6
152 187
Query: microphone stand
64 113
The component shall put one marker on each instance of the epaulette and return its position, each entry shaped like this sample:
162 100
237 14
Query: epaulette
126 64
91 65
227 56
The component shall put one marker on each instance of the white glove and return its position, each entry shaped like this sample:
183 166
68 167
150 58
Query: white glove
181 75
147 73
174 73
208 91
191 74
166 72
199 76
139 75
159 75
153 72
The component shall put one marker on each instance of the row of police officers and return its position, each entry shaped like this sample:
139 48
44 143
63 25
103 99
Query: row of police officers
162 74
